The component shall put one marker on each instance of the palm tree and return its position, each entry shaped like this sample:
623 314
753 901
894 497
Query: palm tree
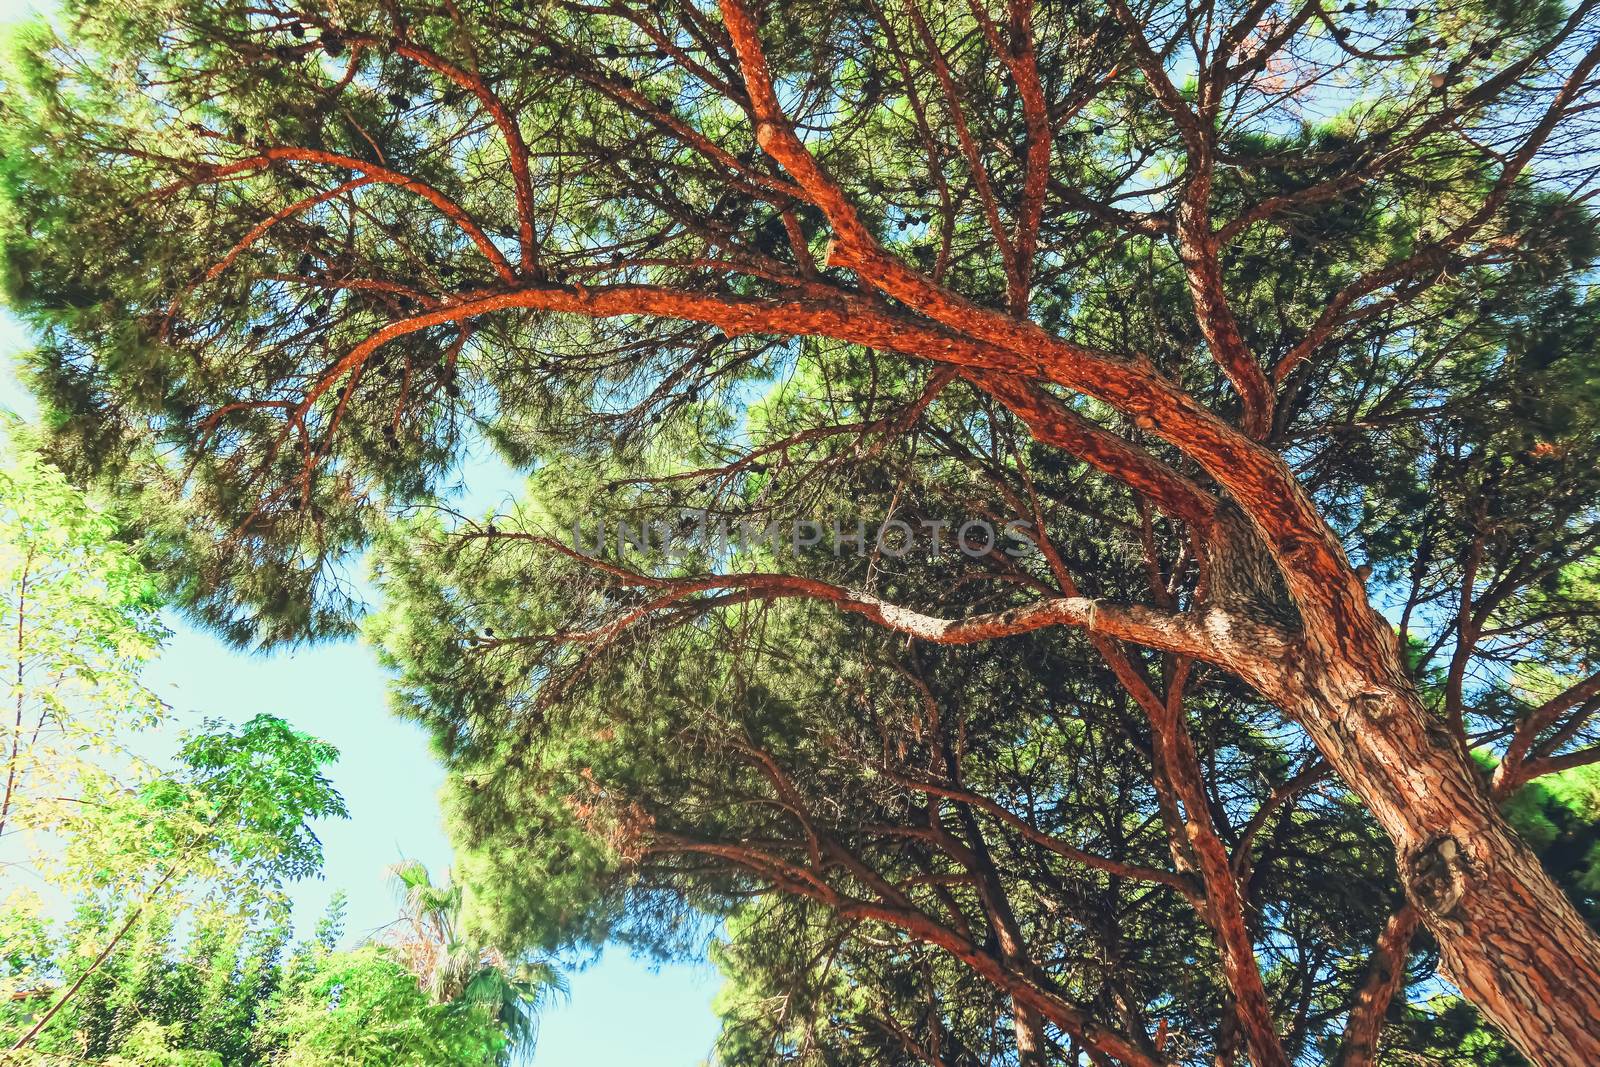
455 967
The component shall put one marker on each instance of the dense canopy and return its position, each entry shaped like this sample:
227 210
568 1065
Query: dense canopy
1268 323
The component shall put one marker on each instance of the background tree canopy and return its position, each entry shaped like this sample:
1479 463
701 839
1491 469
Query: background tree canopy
1271 321
146 918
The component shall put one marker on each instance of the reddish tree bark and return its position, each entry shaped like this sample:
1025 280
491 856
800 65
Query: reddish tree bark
1386 973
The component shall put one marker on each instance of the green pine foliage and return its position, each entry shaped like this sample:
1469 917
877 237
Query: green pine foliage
656 773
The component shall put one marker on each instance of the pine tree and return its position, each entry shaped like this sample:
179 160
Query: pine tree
1262 319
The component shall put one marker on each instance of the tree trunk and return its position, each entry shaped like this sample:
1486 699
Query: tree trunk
1508 936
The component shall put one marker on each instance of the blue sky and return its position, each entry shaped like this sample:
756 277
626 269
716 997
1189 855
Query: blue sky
622 1012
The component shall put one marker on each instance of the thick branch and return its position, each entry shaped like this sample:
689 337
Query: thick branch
1053 422
1386 973
1511 772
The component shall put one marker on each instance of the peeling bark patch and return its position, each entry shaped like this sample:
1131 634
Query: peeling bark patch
1375 705
1437 874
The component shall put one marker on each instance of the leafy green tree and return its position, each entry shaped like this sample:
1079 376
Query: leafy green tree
364 1007
212 847
231 825
80 618
456 965
187 982
415 996
1262 317
173 955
